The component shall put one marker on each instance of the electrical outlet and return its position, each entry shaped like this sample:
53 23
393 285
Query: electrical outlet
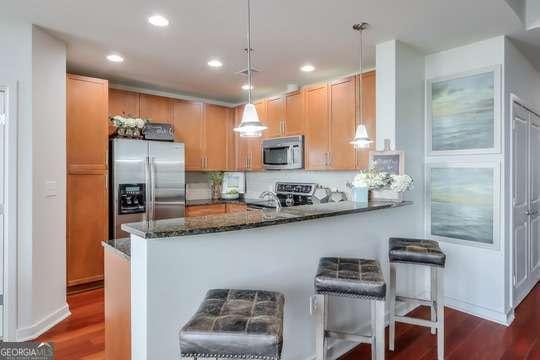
50 189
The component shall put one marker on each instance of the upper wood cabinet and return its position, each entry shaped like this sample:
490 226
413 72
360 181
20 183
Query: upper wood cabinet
248 150
87 126
216 124
294 113
124 103
342 100
158 109
317 127
369 114
188 128
275 117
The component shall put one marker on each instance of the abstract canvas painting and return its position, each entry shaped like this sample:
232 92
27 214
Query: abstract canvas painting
462 203
463 113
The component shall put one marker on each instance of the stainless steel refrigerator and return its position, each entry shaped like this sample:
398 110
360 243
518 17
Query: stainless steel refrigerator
147 182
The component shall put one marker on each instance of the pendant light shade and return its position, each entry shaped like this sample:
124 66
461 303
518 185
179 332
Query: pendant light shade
361 139
250 126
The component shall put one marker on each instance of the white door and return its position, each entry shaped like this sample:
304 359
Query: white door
520 200
3 138
534 240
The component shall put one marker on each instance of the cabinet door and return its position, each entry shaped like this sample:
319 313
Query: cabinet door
233 208
87 226
87 126
231 140
124 103
215 125
156 108
188 128
317 127
370 117
255 144
342 123
204 210
275 120
294 113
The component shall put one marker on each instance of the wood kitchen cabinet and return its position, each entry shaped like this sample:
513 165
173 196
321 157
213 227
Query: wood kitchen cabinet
317 143
294 113
87 226
158 109
87 178
342 114
125 103
202 128
188 128
275 117
204 210
369 114
87 128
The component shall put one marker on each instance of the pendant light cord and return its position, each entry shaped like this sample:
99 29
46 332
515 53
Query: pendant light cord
360 116
249 50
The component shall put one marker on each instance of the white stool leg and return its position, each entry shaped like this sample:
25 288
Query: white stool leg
440 313
321 304
380 348
373 330
433 286
392 308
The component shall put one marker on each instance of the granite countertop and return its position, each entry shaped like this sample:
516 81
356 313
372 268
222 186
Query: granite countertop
252 218
214 202
121 246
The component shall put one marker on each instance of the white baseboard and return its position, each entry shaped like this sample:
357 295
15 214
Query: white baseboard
32 332
482 312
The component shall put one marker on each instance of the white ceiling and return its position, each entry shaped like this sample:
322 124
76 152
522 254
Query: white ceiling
286 34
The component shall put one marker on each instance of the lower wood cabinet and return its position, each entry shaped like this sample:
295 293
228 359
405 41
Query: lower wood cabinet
213 209
87 226
117 307
232 208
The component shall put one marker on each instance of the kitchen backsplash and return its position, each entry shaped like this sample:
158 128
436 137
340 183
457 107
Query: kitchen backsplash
256 182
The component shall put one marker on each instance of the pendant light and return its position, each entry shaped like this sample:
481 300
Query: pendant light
361 139
250 126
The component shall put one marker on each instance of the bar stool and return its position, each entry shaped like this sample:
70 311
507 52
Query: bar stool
423 253
352 278
241 324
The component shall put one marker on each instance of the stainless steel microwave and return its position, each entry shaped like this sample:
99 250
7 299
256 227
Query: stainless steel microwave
283 153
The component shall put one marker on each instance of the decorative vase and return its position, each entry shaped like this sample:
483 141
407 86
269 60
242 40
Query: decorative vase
360 194
216 191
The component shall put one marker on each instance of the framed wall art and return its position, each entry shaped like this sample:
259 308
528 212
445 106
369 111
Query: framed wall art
463 113
463 202
392 162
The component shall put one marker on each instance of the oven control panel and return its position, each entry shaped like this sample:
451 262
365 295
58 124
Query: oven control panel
295 188
131 198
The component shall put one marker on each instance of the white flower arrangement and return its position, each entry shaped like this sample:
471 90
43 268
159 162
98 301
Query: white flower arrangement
375 180
128 122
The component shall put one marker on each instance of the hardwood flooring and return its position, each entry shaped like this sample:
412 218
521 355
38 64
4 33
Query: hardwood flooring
81 336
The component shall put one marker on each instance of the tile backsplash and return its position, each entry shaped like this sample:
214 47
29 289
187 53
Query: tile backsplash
256 182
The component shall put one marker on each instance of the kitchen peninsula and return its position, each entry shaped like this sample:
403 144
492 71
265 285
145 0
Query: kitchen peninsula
174 262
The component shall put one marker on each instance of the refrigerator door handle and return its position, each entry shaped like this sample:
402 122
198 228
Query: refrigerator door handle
148 203
152 188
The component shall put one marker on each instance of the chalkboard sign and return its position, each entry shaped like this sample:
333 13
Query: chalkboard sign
391 162
159 132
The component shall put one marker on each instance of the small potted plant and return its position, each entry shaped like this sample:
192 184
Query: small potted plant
373 180
215 178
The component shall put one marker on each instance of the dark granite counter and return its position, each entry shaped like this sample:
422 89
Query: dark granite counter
121 246
250 219
214 202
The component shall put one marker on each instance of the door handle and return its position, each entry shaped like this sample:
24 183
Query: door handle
152 189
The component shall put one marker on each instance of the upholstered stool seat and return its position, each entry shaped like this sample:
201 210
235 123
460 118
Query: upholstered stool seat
352 278
360 278
242 324
416 251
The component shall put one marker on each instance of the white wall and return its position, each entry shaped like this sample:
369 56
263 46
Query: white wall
36 280
49 174
386 100
475 277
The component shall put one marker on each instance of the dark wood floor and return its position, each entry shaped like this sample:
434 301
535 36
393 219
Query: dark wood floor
81 336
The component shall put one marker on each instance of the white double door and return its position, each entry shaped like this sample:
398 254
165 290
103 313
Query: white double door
526 201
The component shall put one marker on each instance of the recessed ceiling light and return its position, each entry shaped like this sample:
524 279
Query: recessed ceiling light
246 87
307 68
215 63
158 20
115 58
